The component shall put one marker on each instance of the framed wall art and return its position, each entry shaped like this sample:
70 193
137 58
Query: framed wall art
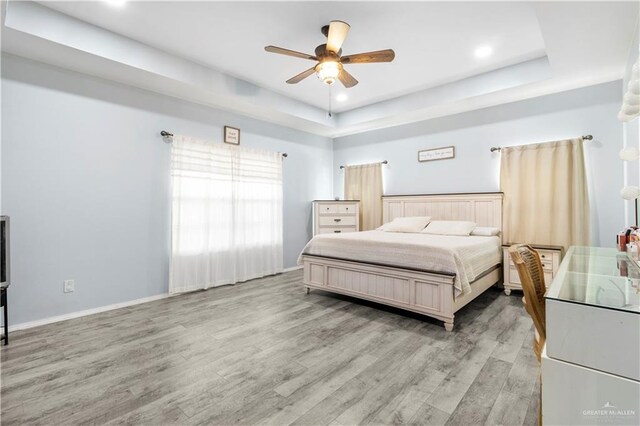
437 154
231 135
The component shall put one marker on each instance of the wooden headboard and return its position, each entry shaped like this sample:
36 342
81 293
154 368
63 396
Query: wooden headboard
485 209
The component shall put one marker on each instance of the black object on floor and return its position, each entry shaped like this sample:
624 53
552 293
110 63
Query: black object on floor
3 304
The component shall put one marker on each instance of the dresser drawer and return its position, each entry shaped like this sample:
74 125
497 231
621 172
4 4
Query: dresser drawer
346 209
337 220
545 256
328 230
328 208
547 265
514 278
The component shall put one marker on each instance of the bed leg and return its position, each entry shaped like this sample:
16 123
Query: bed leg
448 325
308 289
507 291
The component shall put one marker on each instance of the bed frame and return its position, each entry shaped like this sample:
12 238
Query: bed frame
426 292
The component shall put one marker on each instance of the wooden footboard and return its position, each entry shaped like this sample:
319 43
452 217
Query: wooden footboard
427 293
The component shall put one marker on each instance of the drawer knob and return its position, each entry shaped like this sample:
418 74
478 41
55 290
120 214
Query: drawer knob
337 220
337 232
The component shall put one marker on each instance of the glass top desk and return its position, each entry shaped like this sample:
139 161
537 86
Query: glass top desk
593 311
591 360
598 277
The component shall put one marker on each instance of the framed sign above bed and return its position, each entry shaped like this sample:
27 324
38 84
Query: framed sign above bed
444 153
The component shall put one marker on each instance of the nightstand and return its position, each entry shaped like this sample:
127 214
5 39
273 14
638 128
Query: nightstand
550 256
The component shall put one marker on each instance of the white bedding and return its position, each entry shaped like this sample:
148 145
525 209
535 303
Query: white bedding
467 257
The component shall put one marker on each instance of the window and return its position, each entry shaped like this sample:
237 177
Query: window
226 214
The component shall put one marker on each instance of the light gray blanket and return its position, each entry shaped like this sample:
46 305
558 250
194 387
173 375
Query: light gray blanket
466 257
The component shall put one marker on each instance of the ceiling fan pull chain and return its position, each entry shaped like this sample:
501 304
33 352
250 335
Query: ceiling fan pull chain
330 101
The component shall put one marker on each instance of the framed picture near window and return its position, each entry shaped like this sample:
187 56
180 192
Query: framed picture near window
231 135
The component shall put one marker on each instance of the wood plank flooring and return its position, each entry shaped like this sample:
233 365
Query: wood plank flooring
264 352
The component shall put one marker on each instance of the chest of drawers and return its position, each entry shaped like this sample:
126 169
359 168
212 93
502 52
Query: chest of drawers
336 216
550 256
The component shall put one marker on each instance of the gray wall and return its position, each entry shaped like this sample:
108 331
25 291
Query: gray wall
590 110
85 180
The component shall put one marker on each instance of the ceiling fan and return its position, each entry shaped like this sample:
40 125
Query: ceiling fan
330 66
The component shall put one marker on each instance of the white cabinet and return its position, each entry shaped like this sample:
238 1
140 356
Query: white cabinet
577 395
590 364
336 216
550 256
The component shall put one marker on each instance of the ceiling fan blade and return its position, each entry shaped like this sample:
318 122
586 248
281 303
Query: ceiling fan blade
347 79
369 57
337 33
281 51
304 74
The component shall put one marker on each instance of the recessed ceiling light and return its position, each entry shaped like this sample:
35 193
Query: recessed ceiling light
341 97
483 51
116 3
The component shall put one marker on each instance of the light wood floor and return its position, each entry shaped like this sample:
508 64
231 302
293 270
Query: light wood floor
263 352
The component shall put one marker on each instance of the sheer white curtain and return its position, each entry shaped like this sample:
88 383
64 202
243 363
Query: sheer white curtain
226 214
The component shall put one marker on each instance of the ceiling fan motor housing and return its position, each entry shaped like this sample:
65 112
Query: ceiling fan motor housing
322 53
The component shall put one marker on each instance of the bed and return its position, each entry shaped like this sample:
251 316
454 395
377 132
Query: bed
433 275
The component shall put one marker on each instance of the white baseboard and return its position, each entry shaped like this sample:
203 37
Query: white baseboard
72 315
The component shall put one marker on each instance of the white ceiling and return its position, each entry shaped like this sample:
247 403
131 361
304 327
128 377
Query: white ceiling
434 42
212 53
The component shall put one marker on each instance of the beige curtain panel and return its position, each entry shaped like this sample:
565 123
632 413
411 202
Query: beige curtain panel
364 183
545 194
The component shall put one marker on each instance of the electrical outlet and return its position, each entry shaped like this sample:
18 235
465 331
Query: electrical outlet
69 286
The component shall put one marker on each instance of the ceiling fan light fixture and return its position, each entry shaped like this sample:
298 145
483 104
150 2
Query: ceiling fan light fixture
328 71
336 34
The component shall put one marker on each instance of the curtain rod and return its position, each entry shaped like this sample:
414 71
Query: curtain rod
168 135
381 162
584 138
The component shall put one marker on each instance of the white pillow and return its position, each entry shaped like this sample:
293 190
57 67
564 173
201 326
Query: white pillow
485 231
407 224
450 227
